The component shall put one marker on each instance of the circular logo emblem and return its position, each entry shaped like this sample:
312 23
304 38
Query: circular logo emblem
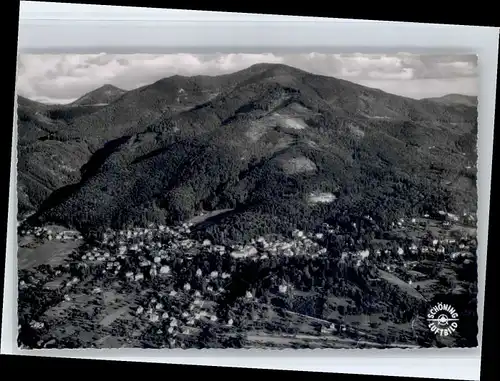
443 319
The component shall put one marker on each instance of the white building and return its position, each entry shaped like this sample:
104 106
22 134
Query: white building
214 274
164 270
364 253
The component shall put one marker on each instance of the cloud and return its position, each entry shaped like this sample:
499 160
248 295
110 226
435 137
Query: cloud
61 78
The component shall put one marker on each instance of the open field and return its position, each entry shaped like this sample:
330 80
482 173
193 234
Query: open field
50 253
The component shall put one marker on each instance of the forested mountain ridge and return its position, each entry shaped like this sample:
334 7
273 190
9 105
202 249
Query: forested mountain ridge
456 99
260 141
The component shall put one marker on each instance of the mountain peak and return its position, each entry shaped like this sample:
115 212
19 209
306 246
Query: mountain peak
109 87
105 94
276 68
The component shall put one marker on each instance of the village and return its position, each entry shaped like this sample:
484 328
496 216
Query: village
187 277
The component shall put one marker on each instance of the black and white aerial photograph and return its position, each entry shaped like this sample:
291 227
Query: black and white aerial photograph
264 200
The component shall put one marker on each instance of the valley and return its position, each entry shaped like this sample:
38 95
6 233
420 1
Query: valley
157 286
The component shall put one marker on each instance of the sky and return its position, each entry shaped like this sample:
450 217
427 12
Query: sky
62 78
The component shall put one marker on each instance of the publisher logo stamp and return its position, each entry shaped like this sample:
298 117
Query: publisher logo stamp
443 319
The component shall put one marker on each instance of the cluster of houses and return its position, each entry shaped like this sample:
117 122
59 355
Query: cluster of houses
446 219
458 250
185 322
155 245
152 247
43 232
301 244
138 254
